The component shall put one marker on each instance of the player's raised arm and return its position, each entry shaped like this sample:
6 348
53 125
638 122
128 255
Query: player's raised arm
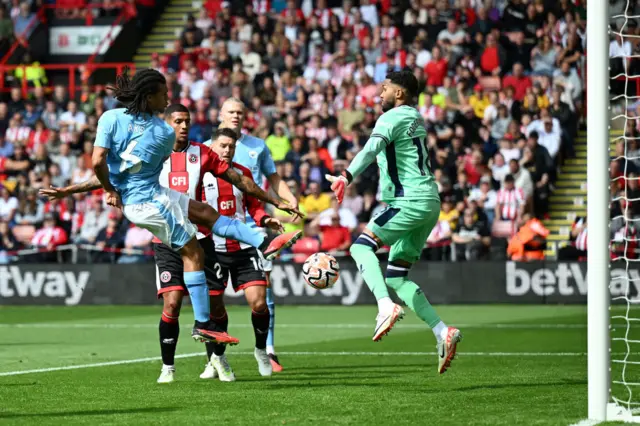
53 192
376 143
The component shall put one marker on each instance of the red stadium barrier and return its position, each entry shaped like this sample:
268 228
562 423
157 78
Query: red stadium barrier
84 71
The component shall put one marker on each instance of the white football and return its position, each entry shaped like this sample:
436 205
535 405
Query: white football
321 270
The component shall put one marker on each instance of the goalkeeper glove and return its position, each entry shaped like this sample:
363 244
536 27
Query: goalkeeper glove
339 184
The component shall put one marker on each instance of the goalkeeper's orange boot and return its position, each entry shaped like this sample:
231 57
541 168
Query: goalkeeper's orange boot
447 348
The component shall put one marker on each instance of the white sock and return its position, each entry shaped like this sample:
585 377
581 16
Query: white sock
385 304
168 367
271 350
440 331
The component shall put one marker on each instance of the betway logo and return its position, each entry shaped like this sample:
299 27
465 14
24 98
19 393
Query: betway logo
567 279
287 281
55 284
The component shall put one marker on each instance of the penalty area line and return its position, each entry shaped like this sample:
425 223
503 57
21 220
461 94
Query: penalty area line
295 353
56 325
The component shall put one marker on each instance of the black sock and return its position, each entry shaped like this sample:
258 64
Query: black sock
260 321
221 325
169 330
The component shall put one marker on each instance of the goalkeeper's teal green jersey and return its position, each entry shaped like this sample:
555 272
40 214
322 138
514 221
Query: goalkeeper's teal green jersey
399 143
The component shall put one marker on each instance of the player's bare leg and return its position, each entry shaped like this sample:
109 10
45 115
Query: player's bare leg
218 365
196 282
257 300
447 337
363 252
169 331
205 215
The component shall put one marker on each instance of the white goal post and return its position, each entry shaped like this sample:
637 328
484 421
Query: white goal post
598 276
613 384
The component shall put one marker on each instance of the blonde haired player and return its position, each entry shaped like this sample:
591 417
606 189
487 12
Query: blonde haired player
398 143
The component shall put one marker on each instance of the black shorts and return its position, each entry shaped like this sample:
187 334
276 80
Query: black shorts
170 269
243 267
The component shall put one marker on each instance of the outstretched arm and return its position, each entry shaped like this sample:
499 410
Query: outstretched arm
248 186
362 160
57 193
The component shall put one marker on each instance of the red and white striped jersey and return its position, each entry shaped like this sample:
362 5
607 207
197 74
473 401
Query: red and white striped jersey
388 33
15 134
510 202
231 202
323 15
45 237
262 6
184 172
581 240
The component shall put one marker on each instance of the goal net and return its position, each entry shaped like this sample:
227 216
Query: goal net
613 210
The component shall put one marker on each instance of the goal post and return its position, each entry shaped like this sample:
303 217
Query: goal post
598 276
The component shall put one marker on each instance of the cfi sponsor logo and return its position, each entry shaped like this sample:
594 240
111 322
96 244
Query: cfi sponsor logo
66 285
566 279
287 281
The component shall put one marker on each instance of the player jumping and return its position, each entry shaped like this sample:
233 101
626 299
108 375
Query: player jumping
129 152
252 153
399 144
237 262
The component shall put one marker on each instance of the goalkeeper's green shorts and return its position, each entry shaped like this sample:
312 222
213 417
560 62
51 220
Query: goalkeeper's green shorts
405 226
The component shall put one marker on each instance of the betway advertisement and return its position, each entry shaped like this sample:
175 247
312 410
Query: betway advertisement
443 283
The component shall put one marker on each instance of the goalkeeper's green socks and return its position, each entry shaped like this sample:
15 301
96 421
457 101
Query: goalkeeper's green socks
414 298
363 252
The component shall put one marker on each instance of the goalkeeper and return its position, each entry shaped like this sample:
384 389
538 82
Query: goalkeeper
398 142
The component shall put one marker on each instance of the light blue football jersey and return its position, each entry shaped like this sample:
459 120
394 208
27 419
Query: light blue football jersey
138 146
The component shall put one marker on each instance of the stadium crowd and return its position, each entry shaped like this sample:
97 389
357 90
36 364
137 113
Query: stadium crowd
502 102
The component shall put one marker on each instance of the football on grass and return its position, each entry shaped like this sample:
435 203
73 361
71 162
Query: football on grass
321 270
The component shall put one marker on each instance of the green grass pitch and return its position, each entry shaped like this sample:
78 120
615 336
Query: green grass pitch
516 365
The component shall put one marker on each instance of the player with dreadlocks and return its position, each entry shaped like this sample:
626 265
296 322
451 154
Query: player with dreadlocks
131 145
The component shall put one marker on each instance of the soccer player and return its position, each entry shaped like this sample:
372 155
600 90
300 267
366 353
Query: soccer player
237 262
130 149
398 143
252 153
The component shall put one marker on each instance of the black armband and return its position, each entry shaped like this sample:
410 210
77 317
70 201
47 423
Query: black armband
348 176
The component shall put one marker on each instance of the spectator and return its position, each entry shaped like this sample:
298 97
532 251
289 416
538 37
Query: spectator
278 143
347 217
95 219
333 236
6 147
537 160
471 238
82 172
109 239
137 244
577 250
49 237
510 205
8 241
6 29
543 57
30 209
568 78
518 81
522 178
32 72
73 117
24 23
316 202
8 205
549 134
485 197
289 222
530 241
353 201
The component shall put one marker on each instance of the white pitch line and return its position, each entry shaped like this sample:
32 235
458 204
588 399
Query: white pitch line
586 422
347 326
194 354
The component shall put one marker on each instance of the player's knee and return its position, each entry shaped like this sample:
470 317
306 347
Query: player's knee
193 256
397 272
259 305
172 303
